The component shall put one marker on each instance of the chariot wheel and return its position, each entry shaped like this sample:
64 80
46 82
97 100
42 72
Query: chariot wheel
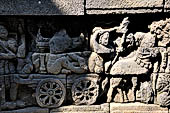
50 93
85 91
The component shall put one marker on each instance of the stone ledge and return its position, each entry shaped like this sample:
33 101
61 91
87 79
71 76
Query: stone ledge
28 110
123 6
136 108
103 108
123 11
124 3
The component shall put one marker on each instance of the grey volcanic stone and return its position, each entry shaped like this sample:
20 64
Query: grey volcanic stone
28 110
123 6
103 108
136 108
123 3
41 7
123 11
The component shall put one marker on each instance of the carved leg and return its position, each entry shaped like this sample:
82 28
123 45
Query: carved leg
154 77
2 90
134 82
125 97
122 95
13 91
114 82
109 94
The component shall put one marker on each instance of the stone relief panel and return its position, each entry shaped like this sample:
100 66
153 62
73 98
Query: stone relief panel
105 65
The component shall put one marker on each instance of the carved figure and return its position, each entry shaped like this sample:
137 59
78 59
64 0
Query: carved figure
137 64
99 43
66 63
145 94
61 42
8 52
162 88
11 51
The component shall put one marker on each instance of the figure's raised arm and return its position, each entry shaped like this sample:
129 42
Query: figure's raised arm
110 29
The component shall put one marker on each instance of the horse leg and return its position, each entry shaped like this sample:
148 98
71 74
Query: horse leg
134 83
126 99
114 82
124 92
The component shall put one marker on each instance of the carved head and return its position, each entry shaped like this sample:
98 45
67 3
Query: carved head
3 32
104 38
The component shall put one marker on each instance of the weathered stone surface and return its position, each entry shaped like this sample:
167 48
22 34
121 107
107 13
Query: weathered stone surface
77 83
123 6
122 63
28 110
122 11
167 3
167 6
146 92
136 108
41 7
123 3
103 108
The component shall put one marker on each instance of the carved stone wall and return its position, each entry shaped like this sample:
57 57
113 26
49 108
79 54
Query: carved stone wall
82 7
84 56
66 65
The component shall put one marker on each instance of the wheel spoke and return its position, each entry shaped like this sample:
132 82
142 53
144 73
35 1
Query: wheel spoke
56 100
80 87
77 91
45 86
92 85
78 95
50 101
42 92
85 84
44 99
59 93
57 88
93 91
51 85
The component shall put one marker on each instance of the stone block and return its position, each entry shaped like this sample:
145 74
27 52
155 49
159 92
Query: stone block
124 3
167 6
41 7
122 11
103 108
123 6
28 110
136 108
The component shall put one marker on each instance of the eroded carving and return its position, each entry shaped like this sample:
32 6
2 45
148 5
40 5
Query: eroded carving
133 66
85 91
50 93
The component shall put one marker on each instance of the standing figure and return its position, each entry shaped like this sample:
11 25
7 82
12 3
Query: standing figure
102 47
99 43
10 50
